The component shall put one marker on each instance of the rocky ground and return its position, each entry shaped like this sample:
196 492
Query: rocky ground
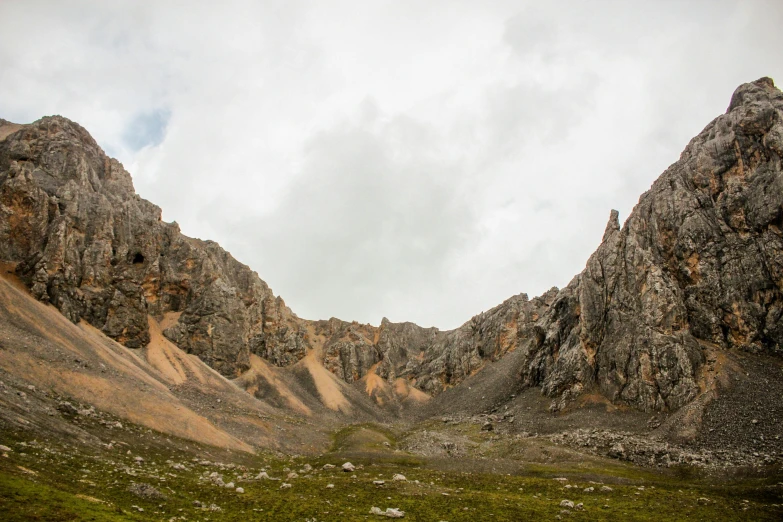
748 414
128 472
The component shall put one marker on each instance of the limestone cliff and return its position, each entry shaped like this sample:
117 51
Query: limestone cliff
697 267
85 242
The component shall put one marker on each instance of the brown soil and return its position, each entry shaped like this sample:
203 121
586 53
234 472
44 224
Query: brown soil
404 390
259 369
8 129
328 386
159 387
170 319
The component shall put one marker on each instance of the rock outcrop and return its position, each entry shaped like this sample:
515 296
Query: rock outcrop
88 244
85 242
697 267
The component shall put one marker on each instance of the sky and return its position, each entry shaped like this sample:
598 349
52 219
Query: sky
420 161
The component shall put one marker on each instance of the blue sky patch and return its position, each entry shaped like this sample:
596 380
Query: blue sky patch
146 129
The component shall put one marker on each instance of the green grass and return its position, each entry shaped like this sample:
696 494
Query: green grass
51 482
363 437
24 499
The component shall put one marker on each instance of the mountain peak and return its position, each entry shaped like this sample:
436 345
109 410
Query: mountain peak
613 225
758 90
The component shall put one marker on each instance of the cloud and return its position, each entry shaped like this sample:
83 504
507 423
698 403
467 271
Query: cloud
373 218
416 160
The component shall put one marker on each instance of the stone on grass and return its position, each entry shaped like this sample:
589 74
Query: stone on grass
146 491
390 512
348 467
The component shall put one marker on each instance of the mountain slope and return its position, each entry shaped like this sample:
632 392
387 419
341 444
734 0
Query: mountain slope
696 269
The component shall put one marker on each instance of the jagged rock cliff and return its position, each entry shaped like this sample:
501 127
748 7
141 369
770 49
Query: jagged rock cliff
97 251
697 267
85 242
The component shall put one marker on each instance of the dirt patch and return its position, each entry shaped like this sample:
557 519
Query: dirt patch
404 390
259 369
596 399
8 273
8 129
160 354
174 364
124 399
329 388
373 382
78 361
170 319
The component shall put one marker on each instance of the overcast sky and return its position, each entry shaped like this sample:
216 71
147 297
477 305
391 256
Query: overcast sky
417 160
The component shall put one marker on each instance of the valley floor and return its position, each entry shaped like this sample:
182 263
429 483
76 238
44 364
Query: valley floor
134 473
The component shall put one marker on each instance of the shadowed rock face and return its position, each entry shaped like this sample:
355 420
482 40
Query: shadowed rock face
698 265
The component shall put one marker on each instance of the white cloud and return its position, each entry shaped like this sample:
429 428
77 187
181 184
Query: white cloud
418 160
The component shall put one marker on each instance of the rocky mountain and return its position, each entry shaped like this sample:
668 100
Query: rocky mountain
695 271
697 268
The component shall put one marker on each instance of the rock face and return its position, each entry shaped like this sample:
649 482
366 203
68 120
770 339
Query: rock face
85 242
93 248
697 267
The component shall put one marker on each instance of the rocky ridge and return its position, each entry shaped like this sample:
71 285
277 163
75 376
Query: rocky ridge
696 269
